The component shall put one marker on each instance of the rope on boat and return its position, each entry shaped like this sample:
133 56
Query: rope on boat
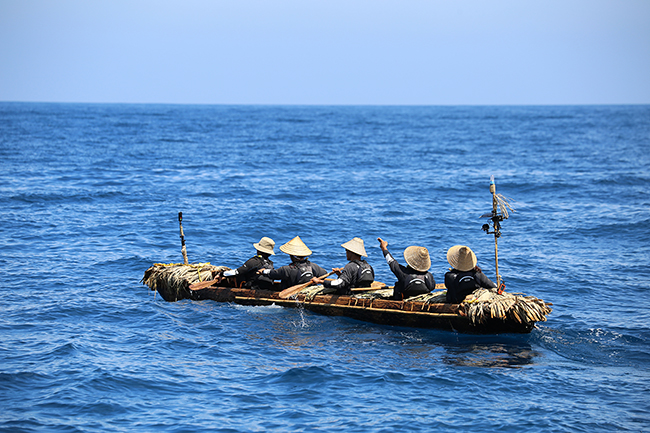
193 265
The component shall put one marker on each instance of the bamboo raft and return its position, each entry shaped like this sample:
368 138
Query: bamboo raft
483 312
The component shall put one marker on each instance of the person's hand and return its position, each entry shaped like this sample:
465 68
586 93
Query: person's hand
382 244
337 271
316 280
260 271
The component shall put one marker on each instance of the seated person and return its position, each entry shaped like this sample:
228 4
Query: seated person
300 270
464 276
246 275
412 280
357 273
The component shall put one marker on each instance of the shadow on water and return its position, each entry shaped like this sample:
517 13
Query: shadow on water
311 339
350 341
486 351
491 355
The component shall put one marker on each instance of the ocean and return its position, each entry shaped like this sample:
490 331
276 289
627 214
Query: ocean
90 195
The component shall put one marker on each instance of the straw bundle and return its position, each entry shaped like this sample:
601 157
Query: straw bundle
504 204
384 293
437 297
486 304
176 277
312 291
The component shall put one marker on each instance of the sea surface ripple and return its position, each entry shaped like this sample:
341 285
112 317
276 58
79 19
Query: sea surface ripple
89 198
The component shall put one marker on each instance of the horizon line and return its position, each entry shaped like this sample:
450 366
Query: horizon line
600 104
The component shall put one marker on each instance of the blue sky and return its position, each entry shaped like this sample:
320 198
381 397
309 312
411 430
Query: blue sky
453 52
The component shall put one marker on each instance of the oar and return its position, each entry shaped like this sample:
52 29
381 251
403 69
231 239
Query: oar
203 284
286 293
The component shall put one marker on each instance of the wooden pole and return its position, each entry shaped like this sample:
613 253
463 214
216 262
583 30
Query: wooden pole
183 249
495 203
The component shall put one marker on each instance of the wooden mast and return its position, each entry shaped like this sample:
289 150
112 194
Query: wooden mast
495 204
183 249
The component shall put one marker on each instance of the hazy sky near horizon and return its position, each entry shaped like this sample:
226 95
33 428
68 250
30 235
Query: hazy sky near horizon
424 52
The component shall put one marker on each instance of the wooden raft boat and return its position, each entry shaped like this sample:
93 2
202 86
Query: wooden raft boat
484 314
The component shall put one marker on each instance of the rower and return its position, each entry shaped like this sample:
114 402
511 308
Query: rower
246 275
357 273
300 270
414 279
464 276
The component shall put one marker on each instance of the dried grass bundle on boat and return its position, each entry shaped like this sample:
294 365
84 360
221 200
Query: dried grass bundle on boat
174 278
436 297
486 304
382 293
312 291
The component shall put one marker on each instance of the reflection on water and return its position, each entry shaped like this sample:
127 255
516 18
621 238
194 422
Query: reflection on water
347 341
490 355
462 350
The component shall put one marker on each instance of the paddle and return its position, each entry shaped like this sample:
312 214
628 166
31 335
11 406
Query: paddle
286 293
203 284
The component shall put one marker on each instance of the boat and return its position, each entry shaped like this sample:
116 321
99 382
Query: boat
486 312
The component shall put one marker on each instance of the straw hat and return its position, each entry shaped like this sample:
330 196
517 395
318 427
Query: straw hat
296 247
355 246
417 258
265 245
462 258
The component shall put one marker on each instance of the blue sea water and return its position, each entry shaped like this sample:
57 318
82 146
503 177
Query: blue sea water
89 199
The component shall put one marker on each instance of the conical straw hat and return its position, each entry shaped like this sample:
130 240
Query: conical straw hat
356 246
295 247
417 258
265 245
462 258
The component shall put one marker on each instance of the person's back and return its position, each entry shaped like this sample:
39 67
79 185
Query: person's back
465 276
414 279
411 282
364 275
247 274
356 273
300 270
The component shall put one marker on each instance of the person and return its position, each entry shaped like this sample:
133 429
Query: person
464 276
246 275
414 279
300 270
357 273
